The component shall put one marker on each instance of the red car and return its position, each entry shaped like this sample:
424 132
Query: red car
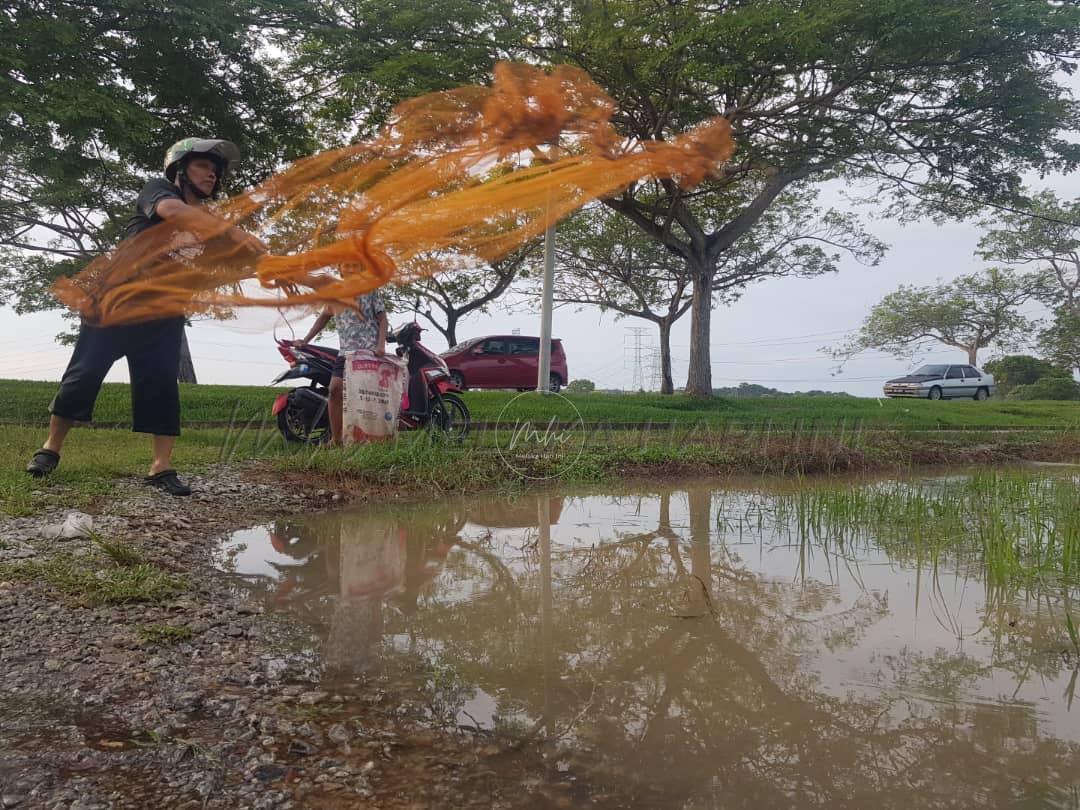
503 361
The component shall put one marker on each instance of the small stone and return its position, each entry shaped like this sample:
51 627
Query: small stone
338 733
309 731
269 772
77 524
301 748
311 698
52 665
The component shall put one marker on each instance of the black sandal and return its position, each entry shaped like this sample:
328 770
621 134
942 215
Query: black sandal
43 463
168 481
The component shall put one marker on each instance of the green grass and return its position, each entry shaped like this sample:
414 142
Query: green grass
81 580
786 412
114 574
26 403
785 436
121 553
92 462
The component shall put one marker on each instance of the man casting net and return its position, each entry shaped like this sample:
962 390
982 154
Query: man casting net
454 178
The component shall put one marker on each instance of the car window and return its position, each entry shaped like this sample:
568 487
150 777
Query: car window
930 371
493 347
524 346
954 373
971 371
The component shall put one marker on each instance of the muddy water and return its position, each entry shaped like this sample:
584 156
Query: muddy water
663 652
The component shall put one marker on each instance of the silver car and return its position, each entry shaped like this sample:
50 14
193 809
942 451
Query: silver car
943 382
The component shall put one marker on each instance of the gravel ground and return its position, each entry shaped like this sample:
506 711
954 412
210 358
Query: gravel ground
194 701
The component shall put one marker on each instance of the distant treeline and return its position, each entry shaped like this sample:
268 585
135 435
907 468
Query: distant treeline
754 390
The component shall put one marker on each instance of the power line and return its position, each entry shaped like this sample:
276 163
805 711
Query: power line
637 335
655 381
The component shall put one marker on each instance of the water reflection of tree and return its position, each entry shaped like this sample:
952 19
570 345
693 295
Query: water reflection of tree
669 675
681 680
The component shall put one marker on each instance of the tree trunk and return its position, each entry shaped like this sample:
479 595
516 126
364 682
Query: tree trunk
973 352
186 374
700 507
667 386
699 378
450 333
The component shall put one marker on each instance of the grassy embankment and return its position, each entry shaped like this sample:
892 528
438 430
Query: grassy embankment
673 436
26 402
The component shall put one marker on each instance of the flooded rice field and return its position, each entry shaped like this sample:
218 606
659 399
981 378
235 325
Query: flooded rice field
903 643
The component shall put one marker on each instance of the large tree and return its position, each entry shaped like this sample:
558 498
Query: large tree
1014 370
361 57
932 101
91 94
1045 237
969 313
1060 341
604 260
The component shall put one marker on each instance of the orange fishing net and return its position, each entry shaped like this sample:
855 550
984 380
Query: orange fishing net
455 178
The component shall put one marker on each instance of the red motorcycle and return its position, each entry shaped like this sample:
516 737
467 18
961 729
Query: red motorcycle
430 401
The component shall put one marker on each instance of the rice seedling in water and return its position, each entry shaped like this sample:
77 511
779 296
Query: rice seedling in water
1019 529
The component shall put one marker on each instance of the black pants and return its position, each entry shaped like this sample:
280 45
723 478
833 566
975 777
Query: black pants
153 355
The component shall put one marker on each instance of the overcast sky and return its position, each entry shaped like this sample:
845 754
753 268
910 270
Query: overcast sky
772 335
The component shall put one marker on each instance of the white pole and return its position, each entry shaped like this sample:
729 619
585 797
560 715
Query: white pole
543 374
547 605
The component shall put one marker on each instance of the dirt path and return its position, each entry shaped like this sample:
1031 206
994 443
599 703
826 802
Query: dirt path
194 700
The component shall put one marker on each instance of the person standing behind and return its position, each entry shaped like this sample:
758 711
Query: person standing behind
362 327
194 169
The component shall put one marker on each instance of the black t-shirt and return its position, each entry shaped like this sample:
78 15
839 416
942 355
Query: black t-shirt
146 205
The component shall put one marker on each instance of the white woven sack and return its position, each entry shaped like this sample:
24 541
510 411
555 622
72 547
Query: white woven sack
371 397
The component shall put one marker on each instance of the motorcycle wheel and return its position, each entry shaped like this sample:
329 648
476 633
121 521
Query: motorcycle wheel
451 415
292 421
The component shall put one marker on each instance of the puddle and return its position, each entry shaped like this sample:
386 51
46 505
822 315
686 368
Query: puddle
63 723
678 649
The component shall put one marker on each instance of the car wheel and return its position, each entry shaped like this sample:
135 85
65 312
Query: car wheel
935 393
982 394
554 384
458 379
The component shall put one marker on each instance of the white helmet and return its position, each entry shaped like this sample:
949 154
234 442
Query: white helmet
223 153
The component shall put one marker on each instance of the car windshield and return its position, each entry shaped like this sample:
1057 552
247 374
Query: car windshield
929 371
462 346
